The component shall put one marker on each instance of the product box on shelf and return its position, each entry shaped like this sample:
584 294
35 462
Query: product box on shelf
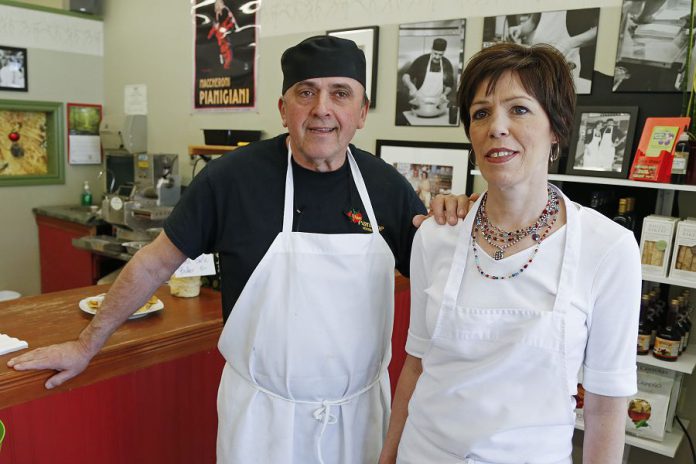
655 153
684 257
650 410
656 244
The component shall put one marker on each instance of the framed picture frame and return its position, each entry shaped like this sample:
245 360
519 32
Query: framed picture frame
367 39
14 75
602 141
430 167
576 26
429 63
651 53
84 143
32 144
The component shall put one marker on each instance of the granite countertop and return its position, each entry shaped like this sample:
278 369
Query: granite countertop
85 215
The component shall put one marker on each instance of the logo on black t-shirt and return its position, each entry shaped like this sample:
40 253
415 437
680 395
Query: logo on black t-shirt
356 217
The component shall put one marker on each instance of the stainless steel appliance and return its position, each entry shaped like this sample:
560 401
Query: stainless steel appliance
147 201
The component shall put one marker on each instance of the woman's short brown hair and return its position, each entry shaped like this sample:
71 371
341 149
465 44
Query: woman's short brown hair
542 71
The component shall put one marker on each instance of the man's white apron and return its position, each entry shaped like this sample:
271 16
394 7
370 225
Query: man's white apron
494 373
307 347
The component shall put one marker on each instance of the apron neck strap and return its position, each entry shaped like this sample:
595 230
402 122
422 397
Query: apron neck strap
359 184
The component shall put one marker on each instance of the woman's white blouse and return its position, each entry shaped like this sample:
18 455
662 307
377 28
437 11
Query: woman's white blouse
602 321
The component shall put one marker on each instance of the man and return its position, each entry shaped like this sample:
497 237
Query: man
308 230
429 81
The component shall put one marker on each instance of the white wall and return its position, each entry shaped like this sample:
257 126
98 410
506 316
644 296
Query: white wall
162 60
57 74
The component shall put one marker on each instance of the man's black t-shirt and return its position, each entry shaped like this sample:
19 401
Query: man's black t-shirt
234 207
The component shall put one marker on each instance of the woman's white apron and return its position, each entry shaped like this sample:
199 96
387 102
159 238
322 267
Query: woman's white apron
494 378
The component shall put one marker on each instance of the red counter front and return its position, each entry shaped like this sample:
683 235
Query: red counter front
148 397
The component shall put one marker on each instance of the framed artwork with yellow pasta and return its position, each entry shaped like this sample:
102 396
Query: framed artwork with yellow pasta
31 143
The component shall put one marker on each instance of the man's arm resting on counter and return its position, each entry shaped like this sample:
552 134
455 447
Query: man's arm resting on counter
143 274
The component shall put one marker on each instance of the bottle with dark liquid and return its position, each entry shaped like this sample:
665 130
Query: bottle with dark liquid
683 320
644 327
653 318
691 165
668 337
621 217
631 213
681 159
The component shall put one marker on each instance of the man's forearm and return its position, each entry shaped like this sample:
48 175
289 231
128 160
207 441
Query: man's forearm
146 271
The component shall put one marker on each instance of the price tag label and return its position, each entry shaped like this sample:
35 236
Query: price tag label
203 265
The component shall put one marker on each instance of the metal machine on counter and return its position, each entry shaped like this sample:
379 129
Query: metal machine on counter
142 188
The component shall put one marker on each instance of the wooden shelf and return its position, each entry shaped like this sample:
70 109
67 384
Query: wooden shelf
666 447
611 181
196 150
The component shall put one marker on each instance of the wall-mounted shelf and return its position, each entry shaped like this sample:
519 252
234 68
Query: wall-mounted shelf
611 181
198 150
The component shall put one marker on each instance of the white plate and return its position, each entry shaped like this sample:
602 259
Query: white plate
84 306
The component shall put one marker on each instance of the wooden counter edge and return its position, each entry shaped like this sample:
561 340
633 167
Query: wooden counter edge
115 360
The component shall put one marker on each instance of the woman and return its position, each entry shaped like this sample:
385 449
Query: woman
510 304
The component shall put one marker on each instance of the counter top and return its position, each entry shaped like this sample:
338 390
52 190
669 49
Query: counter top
84 215
185 326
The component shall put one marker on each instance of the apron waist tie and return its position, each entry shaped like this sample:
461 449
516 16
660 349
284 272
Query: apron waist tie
323 413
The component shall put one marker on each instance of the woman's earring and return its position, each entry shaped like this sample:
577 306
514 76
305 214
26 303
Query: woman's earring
555 152
472 158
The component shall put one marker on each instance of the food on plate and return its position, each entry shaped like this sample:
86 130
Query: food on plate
94 304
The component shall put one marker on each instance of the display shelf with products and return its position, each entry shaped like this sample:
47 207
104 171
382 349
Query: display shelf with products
670 281
667 447
684 364
611 181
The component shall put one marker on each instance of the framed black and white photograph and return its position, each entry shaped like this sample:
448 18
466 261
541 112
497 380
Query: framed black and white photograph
13 69
572 32
367 39
601 141
430 167
431 56
652 48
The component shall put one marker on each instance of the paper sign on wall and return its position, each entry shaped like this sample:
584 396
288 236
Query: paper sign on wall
135 99
203 265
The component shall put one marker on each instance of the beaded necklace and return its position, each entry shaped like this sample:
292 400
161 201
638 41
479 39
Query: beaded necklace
538 232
